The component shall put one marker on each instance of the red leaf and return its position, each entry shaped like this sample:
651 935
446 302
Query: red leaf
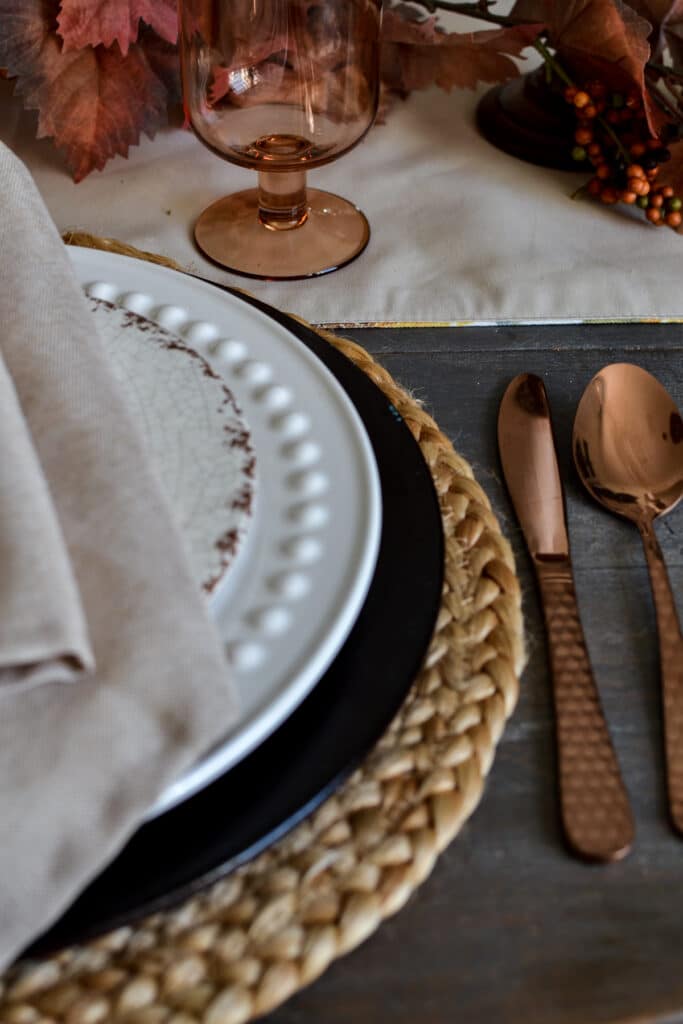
606 31
664 16
163 60
93 102
342 94
299 47
602 39
418 53
103 22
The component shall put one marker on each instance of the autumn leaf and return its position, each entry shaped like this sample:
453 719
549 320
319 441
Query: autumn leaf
93 102
607 32
305 54
666 18
418 53
602 39
340 95
103 22
162 58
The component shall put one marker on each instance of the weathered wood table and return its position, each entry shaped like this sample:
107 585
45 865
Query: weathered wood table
510 929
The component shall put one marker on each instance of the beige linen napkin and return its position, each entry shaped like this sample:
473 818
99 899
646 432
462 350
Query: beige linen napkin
43 632
82 761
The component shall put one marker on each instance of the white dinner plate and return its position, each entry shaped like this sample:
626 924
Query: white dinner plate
195 435
292 594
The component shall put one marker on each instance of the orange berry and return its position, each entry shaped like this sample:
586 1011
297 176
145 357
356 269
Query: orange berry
639 186
653 144
635 171
653 214
651 175
628 197
584 136
582 99
674 219
638 149
594 187
656 200
609 195
570 92
603 171
666 190
594 151
590 111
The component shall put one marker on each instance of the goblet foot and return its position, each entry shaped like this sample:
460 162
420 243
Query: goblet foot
231 232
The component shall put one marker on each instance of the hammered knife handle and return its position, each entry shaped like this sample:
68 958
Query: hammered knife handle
596 813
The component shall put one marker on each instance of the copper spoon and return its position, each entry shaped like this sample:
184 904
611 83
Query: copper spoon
628 449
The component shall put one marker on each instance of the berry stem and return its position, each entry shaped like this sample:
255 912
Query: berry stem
552 62
615 138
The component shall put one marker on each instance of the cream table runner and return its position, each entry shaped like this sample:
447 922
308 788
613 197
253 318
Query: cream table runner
460 231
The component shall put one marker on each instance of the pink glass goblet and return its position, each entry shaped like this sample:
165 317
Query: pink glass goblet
281 86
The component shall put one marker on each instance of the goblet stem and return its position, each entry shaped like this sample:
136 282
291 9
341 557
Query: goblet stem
282 203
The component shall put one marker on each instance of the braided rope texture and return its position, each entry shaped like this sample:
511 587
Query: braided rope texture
246 944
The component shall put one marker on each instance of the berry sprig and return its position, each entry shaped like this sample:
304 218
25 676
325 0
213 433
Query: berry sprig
612 135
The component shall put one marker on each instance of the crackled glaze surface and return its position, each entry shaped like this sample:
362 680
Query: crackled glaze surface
195 434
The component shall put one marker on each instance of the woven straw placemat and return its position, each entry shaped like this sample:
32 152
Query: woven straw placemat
247 943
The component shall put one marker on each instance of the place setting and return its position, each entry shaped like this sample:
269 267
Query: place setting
294 479
306 541
301 498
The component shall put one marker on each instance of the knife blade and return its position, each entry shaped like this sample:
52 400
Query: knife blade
596 814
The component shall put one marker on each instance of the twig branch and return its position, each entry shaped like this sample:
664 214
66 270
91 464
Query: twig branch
664 71
671 104
658 97
479 9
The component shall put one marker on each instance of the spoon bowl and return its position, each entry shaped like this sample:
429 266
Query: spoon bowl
628 443
628 450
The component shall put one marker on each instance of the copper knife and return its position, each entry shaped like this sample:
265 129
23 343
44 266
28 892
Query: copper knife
596 813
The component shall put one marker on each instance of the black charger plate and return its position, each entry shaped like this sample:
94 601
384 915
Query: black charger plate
307 758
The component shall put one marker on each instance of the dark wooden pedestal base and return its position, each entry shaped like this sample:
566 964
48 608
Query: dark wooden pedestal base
527 119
